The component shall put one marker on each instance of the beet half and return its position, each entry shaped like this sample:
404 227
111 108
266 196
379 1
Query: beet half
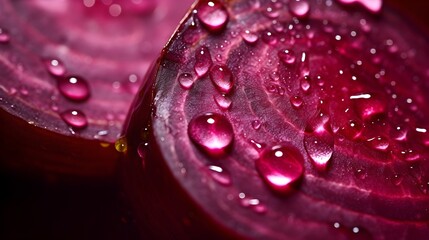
67 78
283 120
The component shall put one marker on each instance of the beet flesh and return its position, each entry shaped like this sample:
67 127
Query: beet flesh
283 120
67 78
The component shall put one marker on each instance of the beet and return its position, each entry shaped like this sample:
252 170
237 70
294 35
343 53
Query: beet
283 120
67 78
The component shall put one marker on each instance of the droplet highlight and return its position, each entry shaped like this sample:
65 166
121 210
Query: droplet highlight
212 132
319 141
75 119
74 88
55 67
280 167
186 81
222 78
4 35
220 175
299 8
203 61
213 15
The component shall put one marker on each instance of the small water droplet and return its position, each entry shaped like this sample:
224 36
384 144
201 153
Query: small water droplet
319 141
4 35
272 12
55 67
287 56
296 101
269 38
397 179
299 8
257 144
280 167
213 15
212 132
74 88
399 133
373 6
222 78
305 84
256 124
360 173
369 106
203 61
249 37
121 144
379 143
186 81
222 101
75 119
220 175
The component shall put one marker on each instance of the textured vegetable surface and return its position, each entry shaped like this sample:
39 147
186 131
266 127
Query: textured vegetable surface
284 120
68 73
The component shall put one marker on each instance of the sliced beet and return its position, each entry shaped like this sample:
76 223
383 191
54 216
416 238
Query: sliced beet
322 133
68 73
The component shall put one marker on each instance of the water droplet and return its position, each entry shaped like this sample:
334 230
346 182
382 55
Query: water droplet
373 6
305 84
220 175
4 36
121 144
186 81
222 101
75 119
319 141
203 61
222 78
212 132
55 67
212 15
352 129
269 38
369 106
299 8
360 173
74 88
379 143
280 167
272 12
256 124
397 179
287 56
249 37
399 133
257 144
296 102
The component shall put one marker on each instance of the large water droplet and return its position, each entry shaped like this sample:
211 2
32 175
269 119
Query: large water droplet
213 15
280 167
222 78
212 132
185 80
373 6
55 67
249 37
287 56
4 36
299 8
74 88
319 141
220 175
203 61
75 119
